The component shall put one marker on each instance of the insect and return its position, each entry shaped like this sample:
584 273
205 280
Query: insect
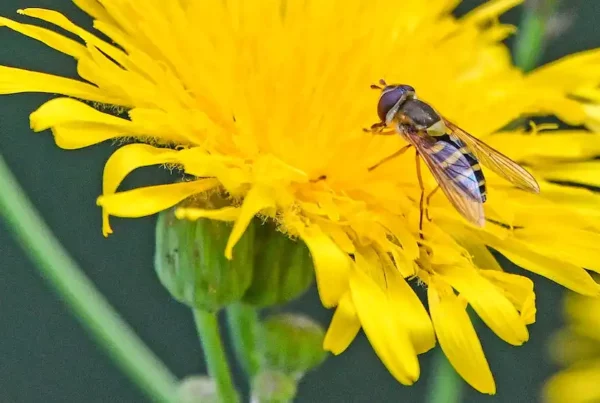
452 155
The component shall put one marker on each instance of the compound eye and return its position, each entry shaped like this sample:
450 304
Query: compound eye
389 98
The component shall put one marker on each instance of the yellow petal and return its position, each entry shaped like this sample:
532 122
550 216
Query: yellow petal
569 275
570 245
458 338
93 41
561 145
410 309
490 10
152 199
332 266
489 303
14 81
222 214
125 160
93 8
257 199
50 38
77 124
384 328
518 290
343 328
585 173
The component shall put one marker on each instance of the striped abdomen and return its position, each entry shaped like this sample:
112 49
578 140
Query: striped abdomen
448 150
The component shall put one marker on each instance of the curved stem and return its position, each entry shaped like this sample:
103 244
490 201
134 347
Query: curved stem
446 385
218 369
243 325
79 293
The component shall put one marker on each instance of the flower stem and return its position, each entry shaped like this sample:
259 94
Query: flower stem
207 325
446 385
78 292
243 324
529 44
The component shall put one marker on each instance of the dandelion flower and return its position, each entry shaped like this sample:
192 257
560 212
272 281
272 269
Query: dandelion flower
577 347
261 99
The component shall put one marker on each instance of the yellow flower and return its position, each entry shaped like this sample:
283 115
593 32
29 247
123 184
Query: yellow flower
577 347
263 98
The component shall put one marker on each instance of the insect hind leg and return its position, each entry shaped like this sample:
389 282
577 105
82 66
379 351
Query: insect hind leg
428 201
422 198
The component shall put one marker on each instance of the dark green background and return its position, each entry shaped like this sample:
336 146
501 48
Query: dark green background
46 356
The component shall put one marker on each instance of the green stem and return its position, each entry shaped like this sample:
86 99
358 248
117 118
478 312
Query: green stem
243 325
79 293
529 44
214 354
446 385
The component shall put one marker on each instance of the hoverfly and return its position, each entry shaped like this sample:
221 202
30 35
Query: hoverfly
451 154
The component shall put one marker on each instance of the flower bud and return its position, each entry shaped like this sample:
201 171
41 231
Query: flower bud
191 264
273 387
198 389
291 343
283 268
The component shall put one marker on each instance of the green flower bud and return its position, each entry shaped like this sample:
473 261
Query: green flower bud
273 387
198 388
291 343
191 264
283 268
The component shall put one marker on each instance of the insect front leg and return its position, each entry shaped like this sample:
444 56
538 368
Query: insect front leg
378 128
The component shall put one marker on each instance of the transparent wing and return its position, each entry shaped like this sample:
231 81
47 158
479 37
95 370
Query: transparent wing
496 161
457 180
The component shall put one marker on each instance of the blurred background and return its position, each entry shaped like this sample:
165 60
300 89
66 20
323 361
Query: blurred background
45 355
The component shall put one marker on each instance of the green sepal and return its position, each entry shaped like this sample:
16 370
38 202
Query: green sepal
283 268
191 264
291 343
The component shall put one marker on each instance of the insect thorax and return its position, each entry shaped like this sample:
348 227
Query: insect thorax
422 116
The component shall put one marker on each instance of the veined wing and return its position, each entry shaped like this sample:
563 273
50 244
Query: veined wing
453 173
496 161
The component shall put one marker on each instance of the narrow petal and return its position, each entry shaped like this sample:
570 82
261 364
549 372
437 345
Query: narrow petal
458 338
13 80
152 199
76 124
585 173
490 10
257 199
93 8
569 275
343 328
385 330
124 161
489 303
332 266
222 214
50 38
518 290
567 244
561 145
63 22
409 307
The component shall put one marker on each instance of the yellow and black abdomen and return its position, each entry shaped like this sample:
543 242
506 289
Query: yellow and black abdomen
452 155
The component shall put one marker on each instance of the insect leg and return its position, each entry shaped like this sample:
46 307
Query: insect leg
427 201
377 128
422 187
389 157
